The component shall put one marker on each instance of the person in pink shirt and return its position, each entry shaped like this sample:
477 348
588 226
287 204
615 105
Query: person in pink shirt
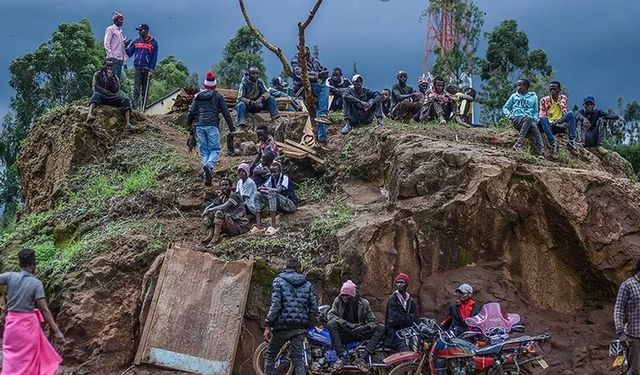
115 43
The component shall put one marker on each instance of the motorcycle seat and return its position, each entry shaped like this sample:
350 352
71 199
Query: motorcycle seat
489 350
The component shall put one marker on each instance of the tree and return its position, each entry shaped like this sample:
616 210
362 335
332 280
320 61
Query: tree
508 58
58 72
467 23
241 52
170 74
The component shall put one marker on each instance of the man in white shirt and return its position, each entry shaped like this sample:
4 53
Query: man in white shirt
115 43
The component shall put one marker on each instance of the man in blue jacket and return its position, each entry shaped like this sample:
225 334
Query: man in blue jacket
522 109
254 97
294 308
145 52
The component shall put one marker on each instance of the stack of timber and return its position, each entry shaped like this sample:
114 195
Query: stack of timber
183 101
296 150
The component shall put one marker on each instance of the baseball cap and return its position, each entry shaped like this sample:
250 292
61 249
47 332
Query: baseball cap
589 98
143 26
356 77
465 288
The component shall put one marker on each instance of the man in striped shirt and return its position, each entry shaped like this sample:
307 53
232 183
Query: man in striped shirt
626 315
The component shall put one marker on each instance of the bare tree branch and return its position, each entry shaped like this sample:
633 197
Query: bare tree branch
276 50
312 14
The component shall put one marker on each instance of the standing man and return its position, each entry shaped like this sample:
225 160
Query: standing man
253 97
115 43
401 312
317 75
465 307
145 52
25 348
554 117
360 105
294 307
337 84
626 316
522 110
207 106
593 124
351 318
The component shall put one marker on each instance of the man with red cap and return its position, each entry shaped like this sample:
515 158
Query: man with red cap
350 319
207 105
402 312
464 308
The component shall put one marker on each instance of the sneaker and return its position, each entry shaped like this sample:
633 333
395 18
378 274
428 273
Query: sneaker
231 153
518 147
129 126
256 230
271 231
275 118
324 119
380 121
541 156
554 149
346 129
601 150
362 365
90 119
572 145
442 121
207 175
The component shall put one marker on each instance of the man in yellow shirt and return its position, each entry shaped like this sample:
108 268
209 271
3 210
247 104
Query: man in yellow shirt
555 119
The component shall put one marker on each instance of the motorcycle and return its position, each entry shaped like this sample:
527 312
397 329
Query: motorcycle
491 325
618 352
319 355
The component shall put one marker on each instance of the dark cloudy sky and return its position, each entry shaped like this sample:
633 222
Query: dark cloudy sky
594 45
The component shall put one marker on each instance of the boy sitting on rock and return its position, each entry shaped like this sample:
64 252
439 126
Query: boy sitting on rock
225 215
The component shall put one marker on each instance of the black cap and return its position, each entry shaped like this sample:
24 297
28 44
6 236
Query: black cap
143 26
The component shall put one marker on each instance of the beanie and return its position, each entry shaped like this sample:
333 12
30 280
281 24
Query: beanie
245 167
404 277
348 289
210 81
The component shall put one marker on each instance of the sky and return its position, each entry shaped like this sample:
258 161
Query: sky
593 45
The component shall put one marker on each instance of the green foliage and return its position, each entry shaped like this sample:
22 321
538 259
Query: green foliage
629 152
311 190
527 157
170 74
329 224
508 58
241 52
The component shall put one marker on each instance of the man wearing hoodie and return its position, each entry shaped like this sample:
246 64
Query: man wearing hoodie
254 97
317 74
337 84
465 307
145 55
294 308
360 105
401 313
350 319
207 106
522 110
593 124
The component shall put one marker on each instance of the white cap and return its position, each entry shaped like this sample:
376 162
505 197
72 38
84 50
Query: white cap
355 77
465 288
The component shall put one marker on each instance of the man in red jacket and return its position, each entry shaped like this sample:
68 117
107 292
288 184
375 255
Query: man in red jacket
464 308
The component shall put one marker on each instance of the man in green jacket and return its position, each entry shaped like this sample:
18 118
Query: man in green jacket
351 319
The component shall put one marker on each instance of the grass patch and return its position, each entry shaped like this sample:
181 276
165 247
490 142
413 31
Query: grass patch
336 117
329 224
311 190
142 178
527 158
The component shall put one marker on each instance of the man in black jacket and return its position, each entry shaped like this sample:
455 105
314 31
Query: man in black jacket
360 105
592 123
106 87
294 307
401 312
405 102
207 105
337 84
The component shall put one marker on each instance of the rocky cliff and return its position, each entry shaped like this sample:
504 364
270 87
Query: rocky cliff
549 239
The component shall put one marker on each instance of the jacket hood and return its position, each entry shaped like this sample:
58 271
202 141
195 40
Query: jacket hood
528 95
293 278
205 95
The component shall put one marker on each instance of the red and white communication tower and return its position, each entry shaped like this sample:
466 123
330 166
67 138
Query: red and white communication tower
441 33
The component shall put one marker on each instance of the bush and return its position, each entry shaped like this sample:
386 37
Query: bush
629 152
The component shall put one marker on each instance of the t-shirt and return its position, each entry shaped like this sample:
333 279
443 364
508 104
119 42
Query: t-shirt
247 189
286 184
23 290
236 210
555 111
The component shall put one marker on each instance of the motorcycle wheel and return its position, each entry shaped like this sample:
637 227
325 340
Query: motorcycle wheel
258 362
512 370
410 368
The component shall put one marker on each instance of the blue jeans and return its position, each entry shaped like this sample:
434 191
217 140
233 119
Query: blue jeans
569 118
242 109
117 69
321 92
209 141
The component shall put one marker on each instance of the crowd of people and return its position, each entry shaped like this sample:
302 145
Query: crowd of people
294 308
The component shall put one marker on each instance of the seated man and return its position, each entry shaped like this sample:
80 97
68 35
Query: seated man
438 103
225 215
337 84
464 101
405 102
401 312
454 91
279 89
350 319
555 119
106 87
465 307
277 195
360 105
386 102
522 110
317 75
261 167
593 124
246 188
266 141
254 97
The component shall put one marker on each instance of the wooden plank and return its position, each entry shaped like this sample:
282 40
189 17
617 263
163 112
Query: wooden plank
198 311
300 146
289 152
316 159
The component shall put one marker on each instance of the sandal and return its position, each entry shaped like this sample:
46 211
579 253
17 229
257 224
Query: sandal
271 231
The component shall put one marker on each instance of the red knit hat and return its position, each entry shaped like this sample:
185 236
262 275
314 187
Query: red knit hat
404 277
210 81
